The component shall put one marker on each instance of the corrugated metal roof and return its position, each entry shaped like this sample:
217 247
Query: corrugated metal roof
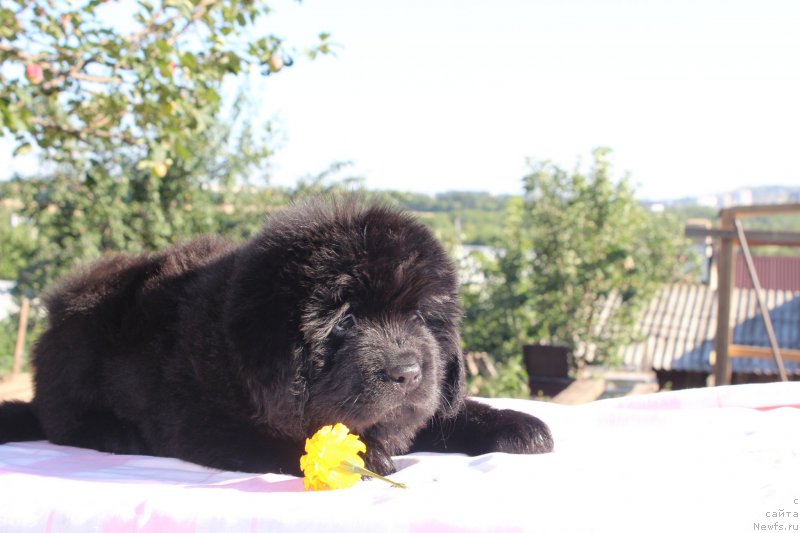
679 326
774 272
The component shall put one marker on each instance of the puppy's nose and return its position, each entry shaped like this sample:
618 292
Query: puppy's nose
407 376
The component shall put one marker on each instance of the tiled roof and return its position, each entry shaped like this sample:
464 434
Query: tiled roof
679 326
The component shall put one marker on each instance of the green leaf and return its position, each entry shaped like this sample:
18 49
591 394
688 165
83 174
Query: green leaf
22 149
147 6
164 48
188 60
14 119
9 25
185 8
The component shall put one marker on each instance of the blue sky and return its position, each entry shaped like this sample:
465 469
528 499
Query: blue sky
693 97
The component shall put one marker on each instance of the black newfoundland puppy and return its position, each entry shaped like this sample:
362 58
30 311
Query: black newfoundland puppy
230 356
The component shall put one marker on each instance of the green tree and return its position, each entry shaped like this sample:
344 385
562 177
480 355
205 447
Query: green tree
579 259
78 217
138 147
498 314
17 242
71 78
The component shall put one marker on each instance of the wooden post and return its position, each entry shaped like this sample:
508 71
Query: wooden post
762 306
725 235
723 370
23 327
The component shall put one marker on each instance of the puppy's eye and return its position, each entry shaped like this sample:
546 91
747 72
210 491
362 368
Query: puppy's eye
347 322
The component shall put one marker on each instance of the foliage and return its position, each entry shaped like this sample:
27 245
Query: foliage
496 314
71 77
448 201
79 217
456 216
685 212
329 181
511 381
17 242
784 222
781 222
141 149
579 258
8 338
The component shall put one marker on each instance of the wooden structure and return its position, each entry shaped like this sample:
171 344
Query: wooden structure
548 369
728 235
19 348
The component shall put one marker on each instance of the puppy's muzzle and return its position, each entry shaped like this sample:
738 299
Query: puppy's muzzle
405 376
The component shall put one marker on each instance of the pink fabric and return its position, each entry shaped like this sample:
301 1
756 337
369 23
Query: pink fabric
721 459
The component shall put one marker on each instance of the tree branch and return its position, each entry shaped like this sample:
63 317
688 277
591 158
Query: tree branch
137 37
97 79
83 134
200 10
20 54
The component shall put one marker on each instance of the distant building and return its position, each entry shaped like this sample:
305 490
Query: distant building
743 197
708 201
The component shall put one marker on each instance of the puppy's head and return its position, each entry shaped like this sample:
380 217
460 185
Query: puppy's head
356 317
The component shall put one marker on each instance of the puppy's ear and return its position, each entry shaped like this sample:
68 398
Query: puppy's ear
453 387
256 315
260 323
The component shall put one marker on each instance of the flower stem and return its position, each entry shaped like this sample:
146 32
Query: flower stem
364 472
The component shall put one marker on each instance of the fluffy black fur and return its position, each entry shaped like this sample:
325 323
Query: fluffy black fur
230 356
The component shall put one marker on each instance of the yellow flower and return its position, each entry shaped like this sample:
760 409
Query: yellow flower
330 456
332 461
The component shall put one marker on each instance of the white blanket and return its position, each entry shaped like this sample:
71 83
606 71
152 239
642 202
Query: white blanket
724 459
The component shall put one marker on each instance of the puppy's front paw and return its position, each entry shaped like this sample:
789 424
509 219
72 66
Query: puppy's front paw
378 460
514 432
